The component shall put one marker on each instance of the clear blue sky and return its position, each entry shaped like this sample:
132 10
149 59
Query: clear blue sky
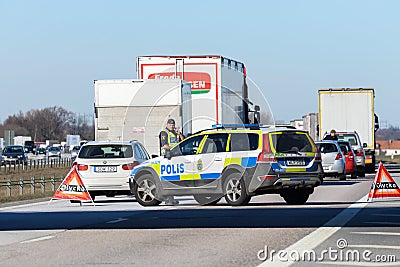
51 51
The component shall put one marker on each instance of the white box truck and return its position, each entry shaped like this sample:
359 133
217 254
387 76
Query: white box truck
139 109
20 140
219 90
310 124
349 110
73 140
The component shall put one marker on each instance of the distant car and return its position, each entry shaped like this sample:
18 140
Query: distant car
29 146
105 167
333 161
54 151
75 151
14 154
354 139
40 150
349 156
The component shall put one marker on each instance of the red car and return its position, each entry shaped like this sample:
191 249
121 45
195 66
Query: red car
349 155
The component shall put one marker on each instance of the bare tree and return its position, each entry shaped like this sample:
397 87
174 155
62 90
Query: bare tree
51 123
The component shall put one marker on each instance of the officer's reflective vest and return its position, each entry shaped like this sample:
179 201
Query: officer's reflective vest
173 138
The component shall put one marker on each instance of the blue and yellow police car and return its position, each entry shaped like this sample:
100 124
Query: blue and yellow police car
235 162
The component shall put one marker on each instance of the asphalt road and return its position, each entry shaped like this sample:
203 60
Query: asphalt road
119 232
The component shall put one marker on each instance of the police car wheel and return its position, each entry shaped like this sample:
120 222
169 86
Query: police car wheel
145 191
207 199
235 191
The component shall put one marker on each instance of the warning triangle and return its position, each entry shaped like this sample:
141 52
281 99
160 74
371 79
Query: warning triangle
383 185
72 187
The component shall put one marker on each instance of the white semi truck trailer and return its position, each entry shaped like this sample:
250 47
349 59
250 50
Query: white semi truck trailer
219 89
139 109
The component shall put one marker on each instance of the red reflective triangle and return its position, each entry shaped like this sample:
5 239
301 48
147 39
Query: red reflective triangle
381 192
72 187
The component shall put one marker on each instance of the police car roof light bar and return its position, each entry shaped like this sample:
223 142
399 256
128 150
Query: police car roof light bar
232 125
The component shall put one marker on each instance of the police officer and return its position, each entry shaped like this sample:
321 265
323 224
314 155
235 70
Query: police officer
332 136
170 136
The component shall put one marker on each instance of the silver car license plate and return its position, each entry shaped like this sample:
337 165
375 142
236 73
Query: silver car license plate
295 162
105 168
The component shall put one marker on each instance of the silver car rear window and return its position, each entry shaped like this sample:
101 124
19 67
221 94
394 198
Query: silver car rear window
106 151
327 148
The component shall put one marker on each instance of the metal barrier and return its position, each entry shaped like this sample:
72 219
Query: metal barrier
17 166
31 183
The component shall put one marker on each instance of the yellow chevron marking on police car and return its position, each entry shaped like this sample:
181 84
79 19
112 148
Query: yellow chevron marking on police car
229 161
156 167
196 176
310 154
295 169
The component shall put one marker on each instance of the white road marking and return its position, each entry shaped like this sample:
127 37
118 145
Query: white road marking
375 233
37 239
386 215
314 239
374 246
17 206
11 237
118 220
384 223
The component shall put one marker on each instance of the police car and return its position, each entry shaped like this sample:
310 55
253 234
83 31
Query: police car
235 162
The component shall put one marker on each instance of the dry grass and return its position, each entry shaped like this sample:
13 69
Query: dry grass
37 173
56 172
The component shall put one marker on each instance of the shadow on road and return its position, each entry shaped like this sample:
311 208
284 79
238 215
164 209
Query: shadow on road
306 216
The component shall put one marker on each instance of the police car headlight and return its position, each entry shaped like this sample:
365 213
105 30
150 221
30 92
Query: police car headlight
19 156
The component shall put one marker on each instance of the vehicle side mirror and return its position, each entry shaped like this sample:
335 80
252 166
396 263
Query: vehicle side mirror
154 156
365 145
168 154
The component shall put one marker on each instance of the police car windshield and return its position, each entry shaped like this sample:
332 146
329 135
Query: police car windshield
187 147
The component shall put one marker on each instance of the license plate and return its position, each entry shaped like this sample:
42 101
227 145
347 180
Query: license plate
295 162
105 168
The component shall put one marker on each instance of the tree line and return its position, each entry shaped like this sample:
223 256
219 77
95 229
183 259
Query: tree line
51 123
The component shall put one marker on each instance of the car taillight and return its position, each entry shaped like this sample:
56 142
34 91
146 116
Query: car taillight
318 156
130 166
338 156
360 153
266 154
82 167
